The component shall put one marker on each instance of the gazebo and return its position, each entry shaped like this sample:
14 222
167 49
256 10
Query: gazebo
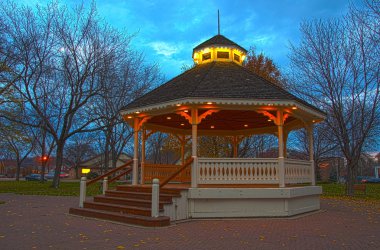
219 97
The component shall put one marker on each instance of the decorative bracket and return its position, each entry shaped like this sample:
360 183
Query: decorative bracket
286 116
269 115
141 122
207 113
274 118
185 115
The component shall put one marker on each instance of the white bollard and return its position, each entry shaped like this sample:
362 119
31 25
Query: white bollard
105 185
155 197
82 191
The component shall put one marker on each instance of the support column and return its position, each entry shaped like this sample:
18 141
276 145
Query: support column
183 142
135 170
143 139
281 160
286 133
194 128
311 152
235 146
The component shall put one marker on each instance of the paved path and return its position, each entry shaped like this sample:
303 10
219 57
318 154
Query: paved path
41 222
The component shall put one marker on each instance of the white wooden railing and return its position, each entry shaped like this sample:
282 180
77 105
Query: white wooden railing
297 171
237 171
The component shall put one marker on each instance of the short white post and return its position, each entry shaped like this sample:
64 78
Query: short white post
105 185
82 191
155 197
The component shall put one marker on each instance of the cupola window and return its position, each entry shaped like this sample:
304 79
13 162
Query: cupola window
236 57
223 55
206 56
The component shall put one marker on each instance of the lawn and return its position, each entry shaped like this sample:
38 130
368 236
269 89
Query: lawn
335 190
72 189
38 188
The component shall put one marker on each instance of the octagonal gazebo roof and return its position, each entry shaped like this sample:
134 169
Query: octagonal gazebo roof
231 97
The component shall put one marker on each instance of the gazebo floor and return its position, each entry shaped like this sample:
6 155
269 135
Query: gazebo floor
132 204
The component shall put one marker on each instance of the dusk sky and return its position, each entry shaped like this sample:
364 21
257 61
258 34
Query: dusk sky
167 31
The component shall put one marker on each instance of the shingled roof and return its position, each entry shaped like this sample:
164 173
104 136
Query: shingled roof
219 40
216 80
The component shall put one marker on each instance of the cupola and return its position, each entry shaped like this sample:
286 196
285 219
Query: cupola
219 48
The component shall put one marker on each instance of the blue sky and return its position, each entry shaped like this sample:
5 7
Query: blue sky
167 31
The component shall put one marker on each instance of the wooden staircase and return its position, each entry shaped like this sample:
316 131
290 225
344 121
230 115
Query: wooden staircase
128 204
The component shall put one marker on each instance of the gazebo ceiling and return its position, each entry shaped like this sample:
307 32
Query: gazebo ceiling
223 120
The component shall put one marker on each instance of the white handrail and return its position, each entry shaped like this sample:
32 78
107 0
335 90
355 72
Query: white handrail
237 171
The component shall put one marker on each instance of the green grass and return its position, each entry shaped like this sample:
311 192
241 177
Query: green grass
72 189
338 190
37 188
2 202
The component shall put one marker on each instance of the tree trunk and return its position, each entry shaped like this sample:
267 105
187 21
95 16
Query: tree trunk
58 165
106 155
18 169
43 162
43 167
76 168
350 179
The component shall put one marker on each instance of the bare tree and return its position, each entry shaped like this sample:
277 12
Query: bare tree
324 144
256 145
17 140
45 145
78 149
60 55
125 77
336 66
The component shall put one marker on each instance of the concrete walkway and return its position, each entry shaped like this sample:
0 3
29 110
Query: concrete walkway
42 222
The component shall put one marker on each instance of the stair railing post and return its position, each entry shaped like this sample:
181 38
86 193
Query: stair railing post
105 185
155 197
82 191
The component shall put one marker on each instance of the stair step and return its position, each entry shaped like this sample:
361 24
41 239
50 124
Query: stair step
139 195
118 208
147 221
147 189
127 201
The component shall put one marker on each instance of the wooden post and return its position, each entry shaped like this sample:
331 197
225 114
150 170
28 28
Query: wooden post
142 180
183 142
135 171
194 127
235 146
281 160
311 153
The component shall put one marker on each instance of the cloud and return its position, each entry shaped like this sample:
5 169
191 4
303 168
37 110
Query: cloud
164 48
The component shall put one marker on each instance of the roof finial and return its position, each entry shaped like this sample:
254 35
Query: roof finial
218 24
